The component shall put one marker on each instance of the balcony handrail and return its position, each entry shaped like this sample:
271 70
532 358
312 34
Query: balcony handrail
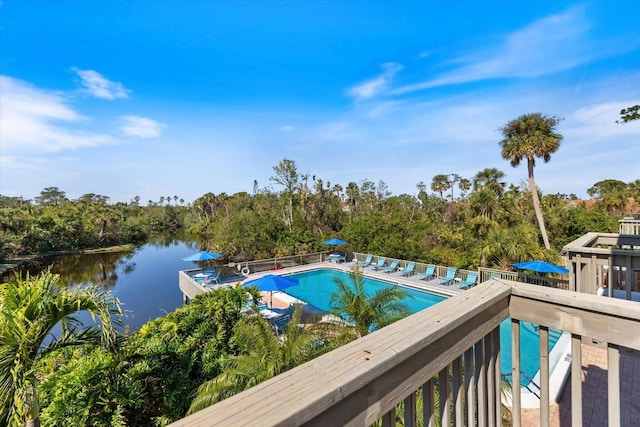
601 318
365 379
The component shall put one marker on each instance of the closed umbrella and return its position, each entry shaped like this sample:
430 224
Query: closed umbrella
541 267
272 282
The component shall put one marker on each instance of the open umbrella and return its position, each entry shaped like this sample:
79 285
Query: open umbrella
335 256
202 256
334 241
541 267
272 282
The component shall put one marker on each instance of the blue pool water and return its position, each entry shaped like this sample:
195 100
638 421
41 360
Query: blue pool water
316 287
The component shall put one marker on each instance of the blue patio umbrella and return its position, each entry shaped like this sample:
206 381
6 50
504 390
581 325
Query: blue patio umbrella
272 282
334 241
202 256
541 267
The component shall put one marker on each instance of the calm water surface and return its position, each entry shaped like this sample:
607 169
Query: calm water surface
144 280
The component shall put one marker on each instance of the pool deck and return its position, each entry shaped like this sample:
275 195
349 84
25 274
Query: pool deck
414 281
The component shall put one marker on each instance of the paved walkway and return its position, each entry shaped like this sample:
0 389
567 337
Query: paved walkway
594 392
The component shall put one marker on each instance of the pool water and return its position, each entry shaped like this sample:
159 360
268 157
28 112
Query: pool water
316 287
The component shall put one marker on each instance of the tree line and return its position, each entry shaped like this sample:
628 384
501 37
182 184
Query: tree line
52 222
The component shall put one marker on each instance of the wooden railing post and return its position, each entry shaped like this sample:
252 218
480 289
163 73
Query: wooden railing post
516 403
544 376
613 378
428 414
469 386
576 380
410 417
498 377
445 400
491 377
481 388
458 398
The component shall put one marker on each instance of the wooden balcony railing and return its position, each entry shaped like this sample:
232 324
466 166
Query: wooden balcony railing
449 354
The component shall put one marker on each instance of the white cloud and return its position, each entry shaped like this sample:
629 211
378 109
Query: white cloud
376 85
287 128
141 127
595 124
37 121
550 45
97 85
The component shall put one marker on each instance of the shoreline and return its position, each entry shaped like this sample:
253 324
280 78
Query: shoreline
10 264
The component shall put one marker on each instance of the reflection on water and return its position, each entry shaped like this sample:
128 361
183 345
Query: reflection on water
102 269
145 280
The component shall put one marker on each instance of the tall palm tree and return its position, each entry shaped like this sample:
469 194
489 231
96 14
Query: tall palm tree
440 183
530 136
30 309
367 312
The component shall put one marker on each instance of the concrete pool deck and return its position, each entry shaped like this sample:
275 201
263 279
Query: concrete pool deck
413 281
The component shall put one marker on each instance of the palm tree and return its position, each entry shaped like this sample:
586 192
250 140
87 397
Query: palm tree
264 356
367 312
489 178
530 136
464 185
504 246
30 309
440 184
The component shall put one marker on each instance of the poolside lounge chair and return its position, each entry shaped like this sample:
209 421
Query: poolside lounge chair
280 322
366 262
379 264
214 278
391 267
495 276
429 273
408 270
450 277
470 280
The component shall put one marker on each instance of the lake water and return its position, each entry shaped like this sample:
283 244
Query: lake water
144 280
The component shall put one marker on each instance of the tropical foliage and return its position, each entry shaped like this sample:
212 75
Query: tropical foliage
38 317
150 379
364 312
261 355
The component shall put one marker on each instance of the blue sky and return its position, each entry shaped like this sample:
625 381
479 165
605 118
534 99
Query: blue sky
158 98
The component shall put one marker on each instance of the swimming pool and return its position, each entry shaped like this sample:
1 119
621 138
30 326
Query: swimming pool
316 287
